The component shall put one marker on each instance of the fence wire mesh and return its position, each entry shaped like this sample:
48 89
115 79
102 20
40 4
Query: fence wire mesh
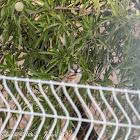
32 109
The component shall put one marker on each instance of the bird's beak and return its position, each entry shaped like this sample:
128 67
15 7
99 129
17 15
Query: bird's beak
75 70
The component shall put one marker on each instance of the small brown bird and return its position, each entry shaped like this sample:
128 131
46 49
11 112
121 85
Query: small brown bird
72 76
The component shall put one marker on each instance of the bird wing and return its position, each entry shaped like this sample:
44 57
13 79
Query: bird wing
68 77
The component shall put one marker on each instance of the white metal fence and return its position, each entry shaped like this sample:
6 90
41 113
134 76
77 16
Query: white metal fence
112 113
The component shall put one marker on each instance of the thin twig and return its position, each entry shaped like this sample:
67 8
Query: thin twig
38 4
101 71
112 67
65 8
85 47
88 53
84 50
30 56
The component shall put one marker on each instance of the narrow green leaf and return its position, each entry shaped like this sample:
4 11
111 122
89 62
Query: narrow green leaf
28 20
50 26
96 2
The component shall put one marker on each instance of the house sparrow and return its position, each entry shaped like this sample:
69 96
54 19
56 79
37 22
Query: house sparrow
72 76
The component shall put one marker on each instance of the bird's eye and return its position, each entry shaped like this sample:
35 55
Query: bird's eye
75 70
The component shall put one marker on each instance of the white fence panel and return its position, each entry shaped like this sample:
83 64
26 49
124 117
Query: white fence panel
110 113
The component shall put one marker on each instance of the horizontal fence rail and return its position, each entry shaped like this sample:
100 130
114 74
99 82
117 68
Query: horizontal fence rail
33 109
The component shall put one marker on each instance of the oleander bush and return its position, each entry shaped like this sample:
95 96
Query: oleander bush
44 39
48 37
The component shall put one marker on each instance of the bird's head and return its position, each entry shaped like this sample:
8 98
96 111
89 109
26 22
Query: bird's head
76 68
